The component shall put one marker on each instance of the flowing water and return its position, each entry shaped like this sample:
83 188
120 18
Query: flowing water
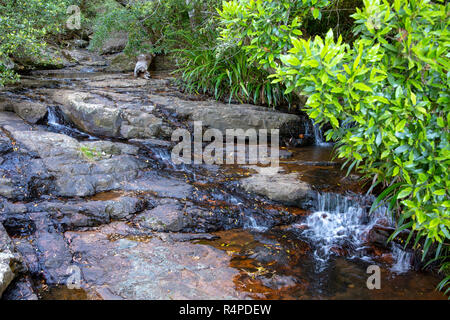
323 254
56 123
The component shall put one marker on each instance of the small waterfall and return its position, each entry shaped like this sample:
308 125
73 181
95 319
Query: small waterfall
403 260
318 136
339 222
252 224
57 123
319 139
54 117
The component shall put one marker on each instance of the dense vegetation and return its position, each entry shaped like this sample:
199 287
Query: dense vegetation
23 25
378 74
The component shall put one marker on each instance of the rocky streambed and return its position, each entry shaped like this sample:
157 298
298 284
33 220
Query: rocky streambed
92 207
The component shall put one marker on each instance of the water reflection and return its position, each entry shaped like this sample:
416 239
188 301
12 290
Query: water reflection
277 265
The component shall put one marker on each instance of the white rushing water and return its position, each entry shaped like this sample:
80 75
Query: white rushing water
319 139
403 260
252 224
343 222
54 120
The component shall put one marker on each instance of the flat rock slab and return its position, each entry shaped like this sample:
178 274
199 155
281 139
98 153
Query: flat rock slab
285 188
151 269
230 116
79 214
160 186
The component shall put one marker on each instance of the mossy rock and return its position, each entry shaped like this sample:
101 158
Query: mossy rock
48 58
121 63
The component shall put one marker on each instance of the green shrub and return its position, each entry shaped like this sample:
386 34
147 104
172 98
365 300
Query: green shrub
387 98
153 26
264 28
23 27
226 74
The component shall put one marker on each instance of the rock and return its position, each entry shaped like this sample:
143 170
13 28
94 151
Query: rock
231 116
7 188
379 235
47 144
285 188
85 58
6 273
95 118
74 214
111 148
10 121
5 145
23 175
77 170
151 269
161 186
27 110
51 249
163 218
115 42
186 237
121 63
15 219
171 215
104 117
119 83
140 124
20 289
30 111
84 179
152 143
10 260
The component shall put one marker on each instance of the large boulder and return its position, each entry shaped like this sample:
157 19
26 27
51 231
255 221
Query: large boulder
115 43
103 116
140 123
22 173
121 63
174 216
7 188
91 116
78 169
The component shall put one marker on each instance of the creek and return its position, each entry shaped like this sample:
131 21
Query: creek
149 229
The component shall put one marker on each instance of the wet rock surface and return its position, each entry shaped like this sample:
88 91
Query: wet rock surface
120 269
72 168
